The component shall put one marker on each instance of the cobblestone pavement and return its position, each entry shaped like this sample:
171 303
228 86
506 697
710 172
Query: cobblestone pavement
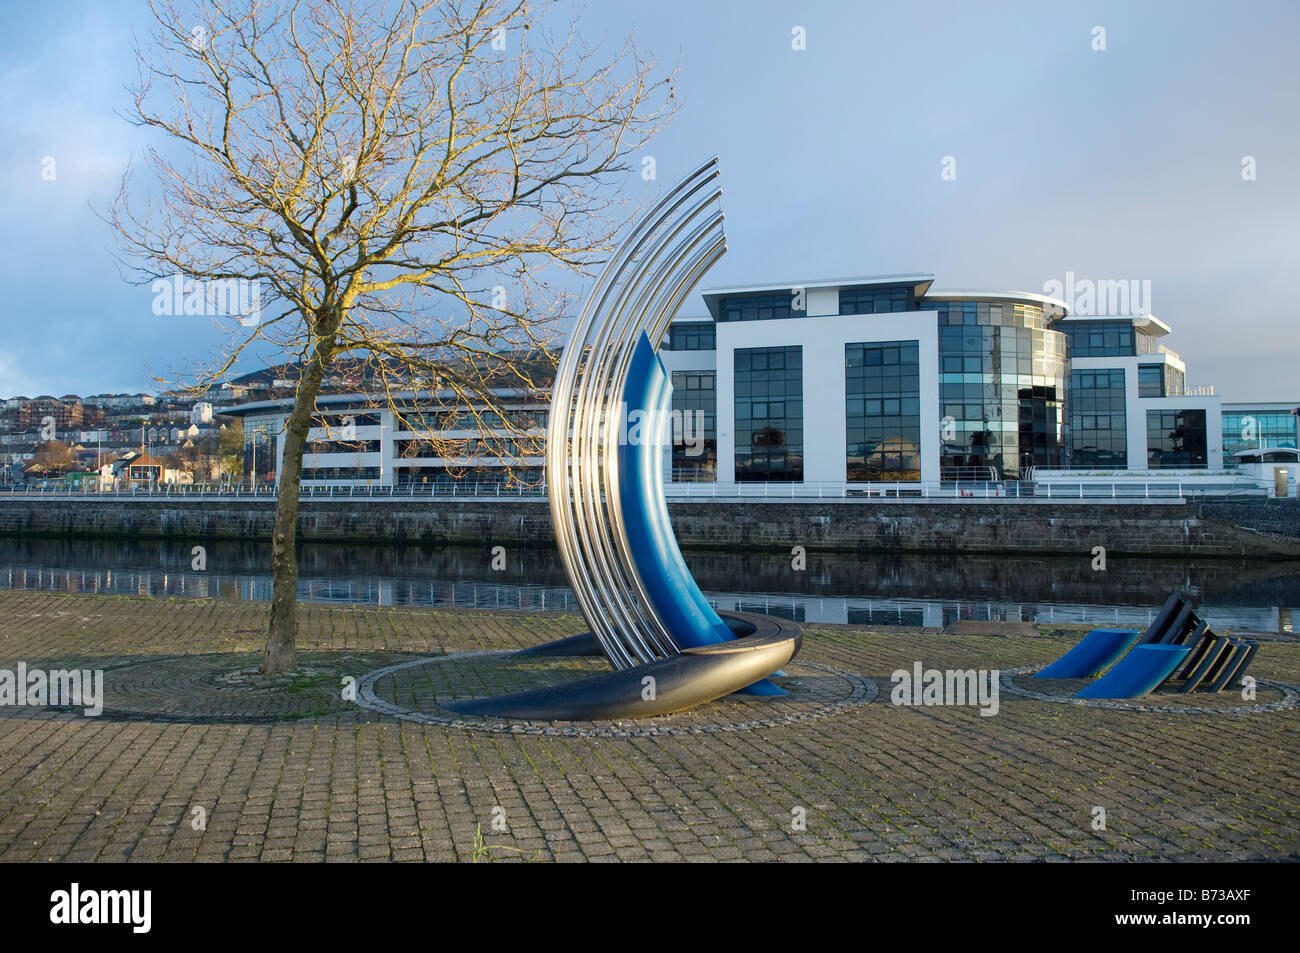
285 769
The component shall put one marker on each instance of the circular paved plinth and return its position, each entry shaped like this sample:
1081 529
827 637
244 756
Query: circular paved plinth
225 687
415 690
218 688
1269 695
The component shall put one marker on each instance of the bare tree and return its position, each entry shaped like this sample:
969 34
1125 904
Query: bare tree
230 448
404 185
55 456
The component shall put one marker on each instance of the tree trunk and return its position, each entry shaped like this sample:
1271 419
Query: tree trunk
281 653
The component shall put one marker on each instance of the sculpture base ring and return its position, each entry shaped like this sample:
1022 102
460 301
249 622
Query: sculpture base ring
693 677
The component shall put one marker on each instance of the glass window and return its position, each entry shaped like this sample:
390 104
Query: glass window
1151 380
876 300
1003 388
759 307
1175 382
769 420
1176 439
694 426
883 432
692 336
1256 429
1099 338
340 473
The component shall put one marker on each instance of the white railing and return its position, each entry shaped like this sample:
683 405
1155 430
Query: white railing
797 491
240 491
1071 488
1155 489
1197 390
1043 474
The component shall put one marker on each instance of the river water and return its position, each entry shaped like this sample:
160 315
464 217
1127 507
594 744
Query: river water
932 590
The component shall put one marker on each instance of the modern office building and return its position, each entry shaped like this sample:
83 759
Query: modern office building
861 380
1131 407
887 379
357 440
1259 426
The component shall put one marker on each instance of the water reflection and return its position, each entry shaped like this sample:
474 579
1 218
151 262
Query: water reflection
864 589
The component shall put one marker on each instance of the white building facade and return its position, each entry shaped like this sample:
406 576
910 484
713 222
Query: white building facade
848 382
1132 409
356 442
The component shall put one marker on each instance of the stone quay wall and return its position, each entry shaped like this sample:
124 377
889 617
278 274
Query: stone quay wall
971 526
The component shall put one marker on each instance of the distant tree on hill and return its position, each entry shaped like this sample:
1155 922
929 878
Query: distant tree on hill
198 456
55 456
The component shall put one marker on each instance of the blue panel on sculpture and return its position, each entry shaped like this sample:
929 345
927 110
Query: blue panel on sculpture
1095 653
669 585
1137 673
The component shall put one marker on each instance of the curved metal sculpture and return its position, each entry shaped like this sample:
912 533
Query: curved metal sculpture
605 443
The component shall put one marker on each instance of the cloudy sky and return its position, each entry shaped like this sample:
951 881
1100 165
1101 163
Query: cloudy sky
1118 164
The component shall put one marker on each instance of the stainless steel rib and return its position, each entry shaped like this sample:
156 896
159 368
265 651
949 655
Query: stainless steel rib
639 291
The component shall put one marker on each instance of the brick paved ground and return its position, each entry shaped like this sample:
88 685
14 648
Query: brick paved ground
289 771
